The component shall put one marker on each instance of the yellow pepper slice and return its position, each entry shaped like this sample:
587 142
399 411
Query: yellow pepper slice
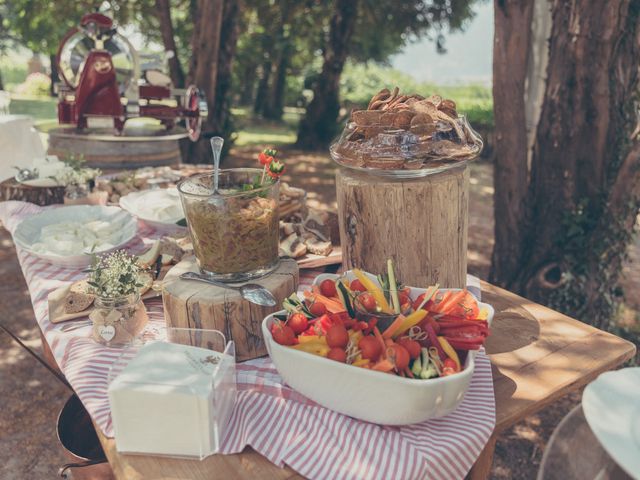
450 351
373 290
361 362
411 320
314 348
312 339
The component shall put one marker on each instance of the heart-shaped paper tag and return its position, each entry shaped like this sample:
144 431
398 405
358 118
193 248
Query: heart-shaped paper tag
107 332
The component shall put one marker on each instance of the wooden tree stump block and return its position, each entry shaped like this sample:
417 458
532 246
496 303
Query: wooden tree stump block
419 223
10 189
189 304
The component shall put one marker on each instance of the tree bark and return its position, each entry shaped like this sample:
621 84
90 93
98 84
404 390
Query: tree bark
510 60
204 70
55 78
274 106
163 10
222 121
562 231
263 88
319 125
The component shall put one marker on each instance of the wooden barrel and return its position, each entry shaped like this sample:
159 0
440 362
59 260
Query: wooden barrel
135 148
419 223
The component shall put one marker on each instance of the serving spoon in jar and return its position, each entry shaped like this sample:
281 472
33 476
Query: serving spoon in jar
216 147
252 292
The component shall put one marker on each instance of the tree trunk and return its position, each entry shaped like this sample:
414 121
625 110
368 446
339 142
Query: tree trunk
263 88
222 121
163 10
510 58
248 86
562 229
55 78
319 125
204 71
274 106
1 82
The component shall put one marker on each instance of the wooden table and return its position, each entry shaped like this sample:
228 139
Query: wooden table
537 355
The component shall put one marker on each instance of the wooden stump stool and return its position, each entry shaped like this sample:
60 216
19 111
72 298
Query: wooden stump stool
190 304
10 189
419 223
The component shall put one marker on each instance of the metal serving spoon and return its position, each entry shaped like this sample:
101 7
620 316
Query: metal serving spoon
216 147
251 292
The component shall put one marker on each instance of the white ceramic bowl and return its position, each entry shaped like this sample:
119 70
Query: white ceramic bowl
158 208
28 231
366 394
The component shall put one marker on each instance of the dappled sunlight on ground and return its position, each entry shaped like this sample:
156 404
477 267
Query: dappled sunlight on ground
31 396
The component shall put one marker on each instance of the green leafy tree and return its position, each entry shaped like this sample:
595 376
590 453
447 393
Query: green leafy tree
40 25
370 30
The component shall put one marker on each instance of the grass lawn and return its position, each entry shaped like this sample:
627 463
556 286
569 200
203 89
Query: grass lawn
41 109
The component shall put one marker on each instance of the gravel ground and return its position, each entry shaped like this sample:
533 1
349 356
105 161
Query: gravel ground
32 397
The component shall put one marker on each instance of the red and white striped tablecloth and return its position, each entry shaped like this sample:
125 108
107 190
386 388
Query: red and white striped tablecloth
274 420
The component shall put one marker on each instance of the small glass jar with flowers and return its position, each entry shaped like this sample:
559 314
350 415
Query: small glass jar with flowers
119 315
77 181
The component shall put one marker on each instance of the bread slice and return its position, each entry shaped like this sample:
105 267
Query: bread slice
316 246
292 246
148 258
146 279
76 302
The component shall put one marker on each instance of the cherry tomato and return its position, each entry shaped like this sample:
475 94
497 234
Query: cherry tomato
370 348
337 337
284 335
328 288
298 323
368 302
449 367
337 354
317 309
411 346
403 297
357 286
399 356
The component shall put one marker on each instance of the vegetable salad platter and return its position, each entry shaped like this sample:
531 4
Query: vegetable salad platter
371 348
67 236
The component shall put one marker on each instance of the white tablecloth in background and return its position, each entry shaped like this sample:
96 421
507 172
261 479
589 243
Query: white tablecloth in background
20 144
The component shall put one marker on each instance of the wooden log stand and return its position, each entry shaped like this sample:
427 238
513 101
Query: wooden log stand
190 304
10 189
419 223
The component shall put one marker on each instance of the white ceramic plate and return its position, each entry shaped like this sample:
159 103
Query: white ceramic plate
611 405
28 232
365 394
157 208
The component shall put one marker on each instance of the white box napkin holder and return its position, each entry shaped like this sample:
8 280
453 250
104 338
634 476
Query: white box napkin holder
173 398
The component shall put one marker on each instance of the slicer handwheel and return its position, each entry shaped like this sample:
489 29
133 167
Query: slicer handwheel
196 107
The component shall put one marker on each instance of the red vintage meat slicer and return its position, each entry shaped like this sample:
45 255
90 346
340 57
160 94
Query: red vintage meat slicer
100 71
